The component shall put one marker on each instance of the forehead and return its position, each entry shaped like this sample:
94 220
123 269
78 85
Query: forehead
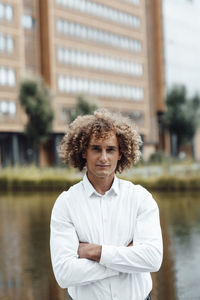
108 138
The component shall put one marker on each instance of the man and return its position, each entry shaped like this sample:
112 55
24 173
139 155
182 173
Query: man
105 232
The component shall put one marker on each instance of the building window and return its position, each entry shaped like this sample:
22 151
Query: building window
61 84
2 43
12 108
97 35
134 2
7 77
100 62
6 12
8 108
10 77
67 84
65 115
4 107
28 22
10 44
6 43
103 11
3 76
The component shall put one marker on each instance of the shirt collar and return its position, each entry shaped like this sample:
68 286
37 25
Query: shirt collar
90 190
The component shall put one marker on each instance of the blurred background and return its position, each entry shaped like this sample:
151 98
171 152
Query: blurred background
63 58
137 57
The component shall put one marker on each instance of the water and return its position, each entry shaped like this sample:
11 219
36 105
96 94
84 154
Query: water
25 268
182 214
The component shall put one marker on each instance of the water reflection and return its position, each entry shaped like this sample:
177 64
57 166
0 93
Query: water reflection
25 268
183 213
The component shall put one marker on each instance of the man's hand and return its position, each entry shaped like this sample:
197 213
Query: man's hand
92 251
89 251
131 244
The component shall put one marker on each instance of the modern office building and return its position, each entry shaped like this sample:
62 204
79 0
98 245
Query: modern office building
110 52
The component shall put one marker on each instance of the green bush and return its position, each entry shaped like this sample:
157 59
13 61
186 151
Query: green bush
30 184
157 157
33 179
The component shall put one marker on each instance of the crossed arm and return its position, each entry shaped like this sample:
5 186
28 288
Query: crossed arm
91 251
76 263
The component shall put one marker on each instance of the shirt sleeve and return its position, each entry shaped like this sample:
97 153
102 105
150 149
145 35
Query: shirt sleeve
69 270
146 253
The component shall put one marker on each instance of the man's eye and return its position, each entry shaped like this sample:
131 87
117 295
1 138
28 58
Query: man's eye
111 150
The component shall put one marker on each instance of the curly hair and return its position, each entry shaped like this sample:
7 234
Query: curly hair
100 125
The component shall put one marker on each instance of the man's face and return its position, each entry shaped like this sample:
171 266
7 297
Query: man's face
102 156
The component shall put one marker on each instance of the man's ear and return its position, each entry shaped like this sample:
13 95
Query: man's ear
120 156
84 155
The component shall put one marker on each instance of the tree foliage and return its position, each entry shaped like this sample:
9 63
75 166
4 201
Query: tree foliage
182 115
35 97
83 107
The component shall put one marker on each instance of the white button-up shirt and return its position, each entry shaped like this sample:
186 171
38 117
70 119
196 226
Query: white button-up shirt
125 213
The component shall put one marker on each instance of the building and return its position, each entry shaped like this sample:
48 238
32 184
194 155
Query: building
112 53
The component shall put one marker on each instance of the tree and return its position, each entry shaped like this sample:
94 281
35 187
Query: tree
182 115
83 107
35 97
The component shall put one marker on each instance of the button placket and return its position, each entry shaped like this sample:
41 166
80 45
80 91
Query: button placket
104 217
113 288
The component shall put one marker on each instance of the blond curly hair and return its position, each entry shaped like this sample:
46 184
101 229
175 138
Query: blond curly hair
100 125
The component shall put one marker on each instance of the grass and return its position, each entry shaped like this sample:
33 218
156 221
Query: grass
185 176
33 178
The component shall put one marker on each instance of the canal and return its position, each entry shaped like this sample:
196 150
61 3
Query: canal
25 268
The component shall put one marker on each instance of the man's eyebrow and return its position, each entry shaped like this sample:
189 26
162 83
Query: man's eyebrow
109 146
112 147
94 146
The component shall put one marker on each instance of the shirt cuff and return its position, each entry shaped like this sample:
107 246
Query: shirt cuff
107 253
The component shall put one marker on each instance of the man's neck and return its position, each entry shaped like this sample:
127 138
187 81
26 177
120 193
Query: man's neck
101 185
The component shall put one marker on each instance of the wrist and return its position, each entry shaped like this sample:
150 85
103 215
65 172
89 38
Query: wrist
94 252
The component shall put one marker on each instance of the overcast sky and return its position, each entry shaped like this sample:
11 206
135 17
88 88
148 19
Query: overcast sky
182 43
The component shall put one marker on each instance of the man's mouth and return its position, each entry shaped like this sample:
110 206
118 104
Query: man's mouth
103 166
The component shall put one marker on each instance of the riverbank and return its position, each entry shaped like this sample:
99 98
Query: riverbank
33 179
59 179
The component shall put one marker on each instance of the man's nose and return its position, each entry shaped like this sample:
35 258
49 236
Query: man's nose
103 156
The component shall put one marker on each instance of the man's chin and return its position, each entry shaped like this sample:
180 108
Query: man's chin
104 174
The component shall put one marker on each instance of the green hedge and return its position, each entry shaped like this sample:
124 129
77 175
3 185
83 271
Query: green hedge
171 183
56 183
38 184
